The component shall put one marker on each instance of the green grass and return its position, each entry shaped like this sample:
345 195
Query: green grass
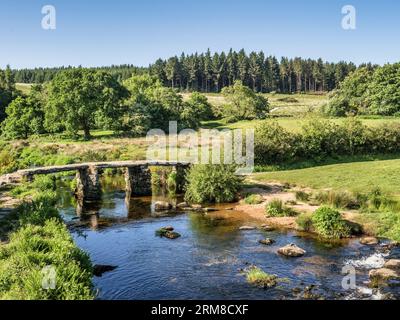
38 238
258 277
355 177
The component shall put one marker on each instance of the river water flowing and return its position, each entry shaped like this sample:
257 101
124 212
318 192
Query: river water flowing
208 260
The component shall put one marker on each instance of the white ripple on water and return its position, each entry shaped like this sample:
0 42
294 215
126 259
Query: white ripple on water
374 261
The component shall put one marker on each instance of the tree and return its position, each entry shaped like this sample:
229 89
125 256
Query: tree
171 70
202 109
255 69
351 96
157 105
24 117
384 90
244 103
77 96
242 66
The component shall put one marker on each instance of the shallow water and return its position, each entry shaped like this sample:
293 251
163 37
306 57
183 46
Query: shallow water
208 260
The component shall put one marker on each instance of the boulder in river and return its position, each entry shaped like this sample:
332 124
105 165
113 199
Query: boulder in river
99 269
369 241
383 274
393 264
291 250
267 241
162 205
171 235
246 228
267 227
168 228
167 232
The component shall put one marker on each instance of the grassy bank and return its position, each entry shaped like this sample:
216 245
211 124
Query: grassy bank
36 240
356 176
371 188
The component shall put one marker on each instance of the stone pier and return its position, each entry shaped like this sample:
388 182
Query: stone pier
138 180
88 186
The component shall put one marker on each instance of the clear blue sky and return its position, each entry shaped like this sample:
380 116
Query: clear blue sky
93 33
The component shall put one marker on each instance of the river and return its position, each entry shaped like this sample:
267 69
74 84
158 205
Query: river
208 260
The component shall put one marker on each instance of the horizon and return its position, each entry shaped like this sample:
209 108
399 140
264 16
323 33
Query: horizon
126 33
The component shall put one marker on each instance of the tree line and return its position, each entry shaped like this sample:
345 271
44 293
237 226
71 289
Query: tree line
42 75
207 72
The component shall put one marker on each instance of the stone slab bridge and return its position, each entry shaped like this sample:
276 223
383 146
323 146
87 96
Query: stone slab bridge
137 176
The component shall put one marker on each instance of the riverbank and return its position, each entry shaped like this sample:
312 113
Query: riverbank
38 258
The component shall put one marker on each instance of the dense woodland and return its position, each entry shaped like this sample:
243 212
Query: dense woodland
209 72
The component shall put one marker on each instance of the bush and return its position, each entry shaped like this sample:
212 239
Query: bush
304 221
276 208
320 139
328 223
207 183
254 199
31 249
273 144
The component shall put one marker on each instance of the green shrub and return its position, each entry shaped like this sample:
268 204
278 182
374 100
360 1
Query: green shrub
258 277
304 221
207 183
273 144
328 223
320 139
254 199
276 208
31 249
